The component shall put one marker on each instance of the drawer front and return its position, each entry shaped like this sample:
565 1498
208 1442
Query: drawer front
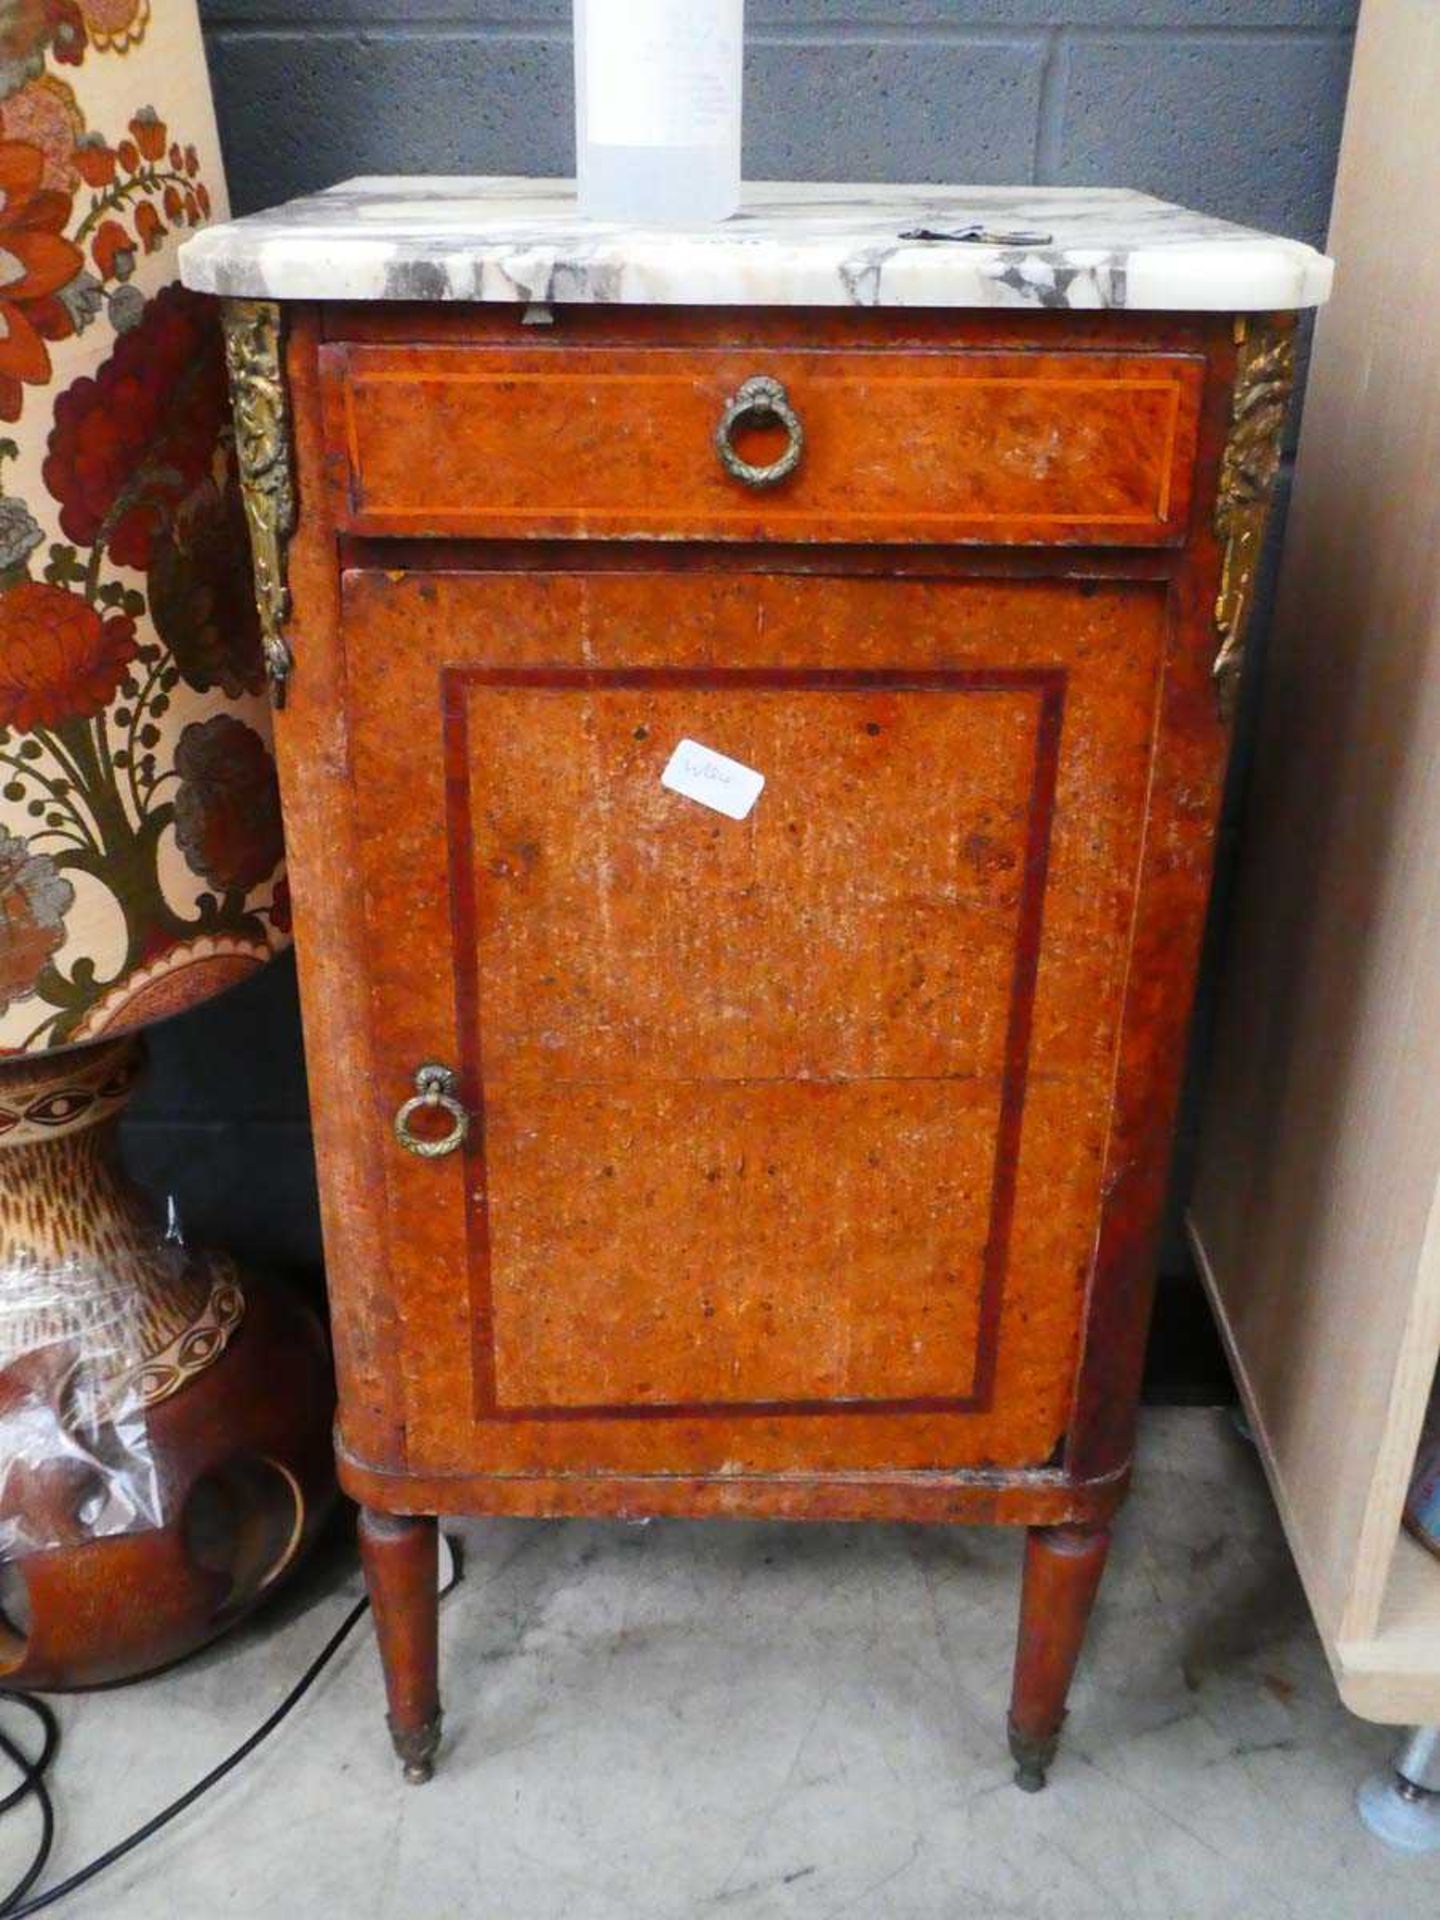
788 1132
978 447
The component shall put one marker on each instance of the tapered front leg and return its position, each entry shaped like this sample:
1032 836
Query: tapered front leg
402 1566
1063 1566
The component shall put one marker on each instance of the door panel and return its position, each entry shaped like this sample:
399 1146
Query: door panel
788 1131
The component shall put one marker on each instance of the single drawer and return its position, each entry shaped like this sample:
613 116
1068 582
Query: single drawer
566 442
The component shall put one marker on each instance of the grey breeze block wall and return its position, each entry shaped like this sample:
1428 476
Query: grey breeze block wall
1233 106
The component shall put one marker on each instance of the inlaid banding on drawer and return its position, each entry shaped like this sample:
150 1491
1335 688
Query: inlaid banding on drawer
981 447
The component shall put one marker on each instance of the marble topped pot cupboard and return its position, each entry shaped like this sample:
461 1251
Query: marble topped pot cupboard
684 1151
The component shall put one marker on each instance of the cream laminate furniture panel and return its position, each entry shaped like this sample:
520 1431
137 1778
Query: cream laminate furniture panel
1315 1213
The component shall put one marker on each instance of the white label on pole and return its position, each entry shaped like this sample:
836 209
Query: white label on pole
699 773
661 73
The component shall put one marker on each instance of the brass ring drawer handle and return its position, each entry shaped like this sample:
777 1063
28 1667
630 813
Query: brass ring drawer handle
760 400
435 1088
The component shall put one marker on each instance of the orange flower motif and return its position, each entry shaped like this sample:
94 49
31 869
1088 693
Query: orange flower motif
149 226
67 31
59 660
36 261
128 154
44 115
227 808
94 161
116 25
174 206
34 900
202 194
281 914
113 251
133 441
148 132
192 162
24 25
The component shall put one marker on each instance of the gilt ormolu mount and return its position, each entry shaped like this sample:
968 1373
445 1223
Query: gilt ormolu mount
253 348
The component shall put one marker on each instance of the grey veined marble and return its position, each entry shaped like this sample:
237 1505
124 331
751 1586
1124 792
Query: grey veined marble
419 238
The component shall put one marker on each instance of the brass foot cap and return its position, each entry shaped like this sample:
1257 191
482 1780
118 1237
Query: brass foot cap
416 1748
1032 1754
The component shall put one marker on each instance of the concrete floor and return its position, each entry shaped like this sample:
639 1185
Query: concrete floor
771 1723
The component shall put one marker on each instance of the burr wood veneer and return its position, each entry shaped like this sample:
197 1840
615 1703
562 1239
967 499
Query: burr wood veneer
812 1163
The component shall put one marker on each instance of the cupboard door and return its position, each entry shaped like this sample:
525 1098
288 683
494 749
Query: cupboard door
788 1131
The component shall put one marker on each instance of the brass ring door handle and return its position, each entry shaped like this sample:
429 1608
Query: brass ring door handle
435 1089
761 401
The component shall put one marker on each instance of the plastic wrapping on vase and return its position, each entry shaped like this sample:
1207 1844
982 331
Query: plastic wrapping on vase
104 1312
74 1455
84 1357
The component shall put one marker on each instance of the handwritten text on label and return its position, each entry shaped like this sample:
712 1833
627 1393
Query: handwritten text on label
699 773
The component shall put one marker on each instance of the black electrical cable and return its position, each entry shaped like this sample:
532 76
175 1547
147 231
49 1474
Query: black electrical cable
32 1771
33 1782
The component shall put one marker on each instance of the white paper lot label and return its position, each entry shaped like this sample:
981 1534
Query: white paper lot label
699 773
662 73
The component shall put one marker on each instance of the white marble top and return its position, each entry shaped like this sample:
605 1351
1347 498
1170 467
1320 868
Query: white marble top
431 238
